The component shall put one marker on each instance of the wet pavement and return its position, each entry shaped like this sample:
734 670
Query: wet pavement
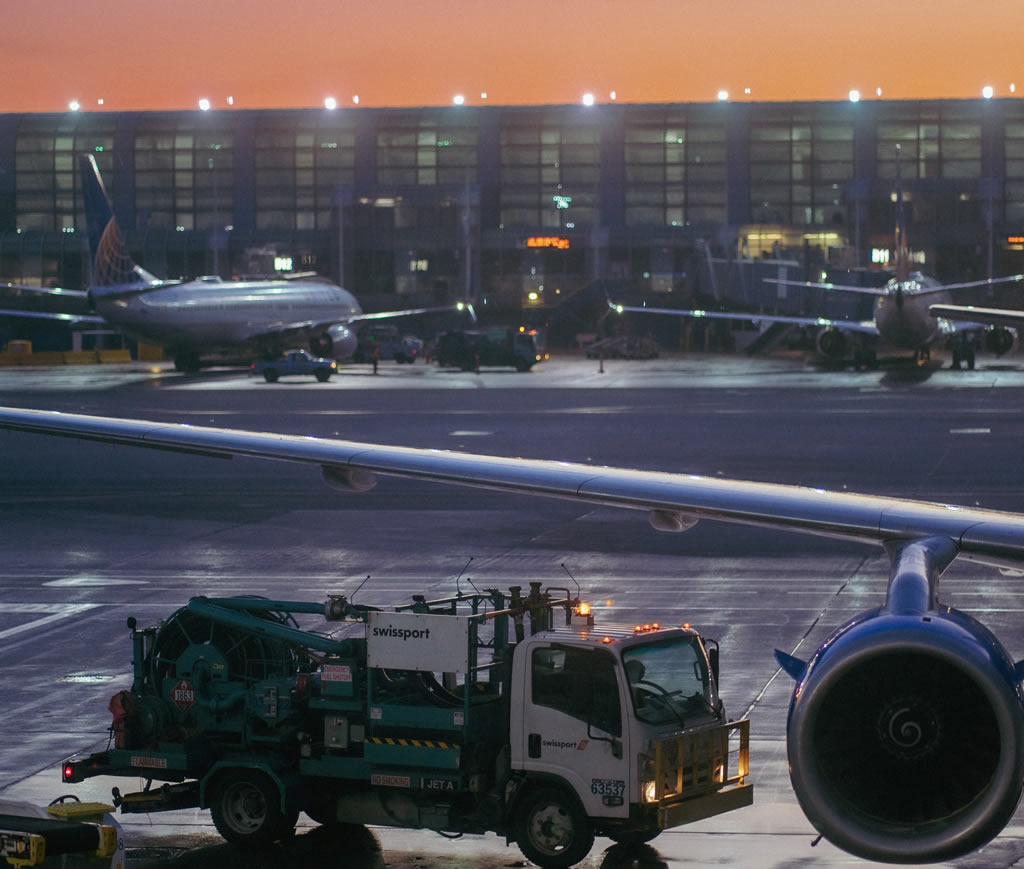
90 534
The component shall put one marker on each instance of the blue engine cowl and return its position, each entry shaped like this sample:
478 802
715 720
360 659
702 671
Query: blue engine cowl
905 736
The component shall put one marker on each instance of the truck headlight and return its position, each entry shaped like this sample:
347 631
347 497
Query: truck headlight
649 790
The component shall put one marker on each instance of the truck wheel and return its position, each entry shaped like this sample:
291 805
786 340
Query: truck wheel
551 829
270 374
323 375
246 809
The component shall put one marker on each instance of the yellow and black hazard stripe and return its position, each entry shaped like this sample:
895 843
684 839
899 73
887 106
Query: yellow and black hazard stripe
410 743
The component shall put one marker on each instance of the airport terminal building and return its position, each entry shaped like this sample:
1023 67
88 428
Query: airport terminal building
520 207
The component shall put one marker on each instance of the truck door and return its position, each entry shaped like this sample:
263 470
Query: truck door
572 725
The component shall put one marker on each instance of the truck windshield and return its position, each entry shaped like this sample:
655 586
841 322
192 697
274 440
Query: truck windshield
669 681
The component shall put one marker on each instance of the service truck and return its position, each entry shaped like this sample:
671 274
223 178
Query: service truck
295 362
482 712
468 349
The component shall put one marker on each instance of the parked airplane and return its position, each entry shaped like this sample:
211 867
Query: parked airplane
906 726
209 315
911 312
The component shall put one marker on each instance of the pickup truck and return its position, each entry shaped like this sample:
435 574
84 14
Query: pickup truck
295 362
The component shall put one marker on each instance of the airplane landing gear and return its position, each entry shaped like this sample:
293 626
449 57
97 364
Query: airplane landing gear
963 351
186 362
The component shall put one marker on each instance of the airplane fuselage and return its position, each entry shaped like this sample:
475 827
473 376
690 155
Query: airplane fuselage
902 315
210 314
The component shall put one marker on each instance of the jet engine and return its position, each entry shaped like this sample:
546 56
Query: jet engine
337 342
905 736
832 343
1001 340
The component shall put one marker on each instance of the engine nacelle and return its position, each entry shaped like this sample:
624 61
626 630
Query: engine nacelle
905 736
832 343
341 340
1001 340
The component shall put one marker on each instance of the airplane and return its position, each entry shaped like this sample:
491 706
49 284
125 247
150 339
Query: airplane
209 315
905 731
911 312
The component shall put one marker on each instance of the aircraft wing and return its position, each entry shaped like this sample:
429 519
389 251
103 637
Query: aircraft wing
867 326
845 288
987 282
70 319
409 312
969 315
673 502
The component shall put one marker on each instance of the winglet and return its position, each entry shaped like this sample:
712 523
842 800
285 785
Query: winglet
794 667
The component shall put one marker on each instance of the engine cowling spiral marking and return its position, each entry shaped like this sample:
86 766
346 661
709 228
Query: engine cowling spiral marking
909 728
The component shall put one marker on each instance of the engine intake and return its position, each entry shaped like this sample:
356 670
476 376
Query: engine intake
905 737
1001 340
832 343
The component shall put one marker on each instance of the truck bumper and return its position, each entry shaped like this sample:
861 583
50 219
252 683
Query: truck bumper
677 813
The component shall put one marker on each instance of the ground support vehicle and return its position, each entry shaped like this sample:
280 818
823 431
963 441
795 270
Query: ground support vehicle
29 834
388 342
471 349
481 712
624 347
295 362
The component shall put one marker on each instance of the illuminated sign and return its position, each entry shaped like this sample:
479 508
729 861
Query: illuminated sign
879 255
1015 239
282 263
547 241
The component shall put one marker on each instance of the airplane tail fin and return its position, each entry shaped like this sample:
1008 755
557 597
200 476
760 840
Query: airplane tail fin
112 264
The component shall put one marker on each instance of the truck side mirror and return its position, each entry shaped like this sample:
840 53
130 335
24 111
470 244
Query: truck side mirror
713 660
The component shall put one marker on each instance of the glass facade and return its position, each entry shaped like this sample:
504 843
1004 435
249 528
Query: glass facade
184 176
523 205
550 162
428 147
929 141
675 166
1013 166
48 194
299 160
800 164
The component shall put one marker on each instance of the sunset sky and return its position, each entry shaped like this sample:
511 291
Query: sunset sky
146 54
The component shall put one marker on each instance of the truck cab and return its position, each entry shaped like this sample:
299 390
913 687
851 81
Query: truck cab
628 720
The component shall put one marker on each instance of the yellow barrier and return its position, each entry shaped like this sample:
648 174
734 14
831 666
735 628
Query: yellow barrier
150 353
50 358
66 357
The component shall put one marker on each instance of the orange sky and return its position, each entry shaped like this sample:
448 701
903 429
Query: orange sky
147 54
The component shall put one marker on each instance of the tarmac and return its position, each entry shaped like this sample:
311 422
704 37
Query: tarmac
95 533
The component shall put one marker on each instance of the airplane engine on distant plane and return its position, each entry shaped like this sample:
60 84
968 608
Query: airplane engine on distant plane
1001 340
906 736
831 342
338 342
